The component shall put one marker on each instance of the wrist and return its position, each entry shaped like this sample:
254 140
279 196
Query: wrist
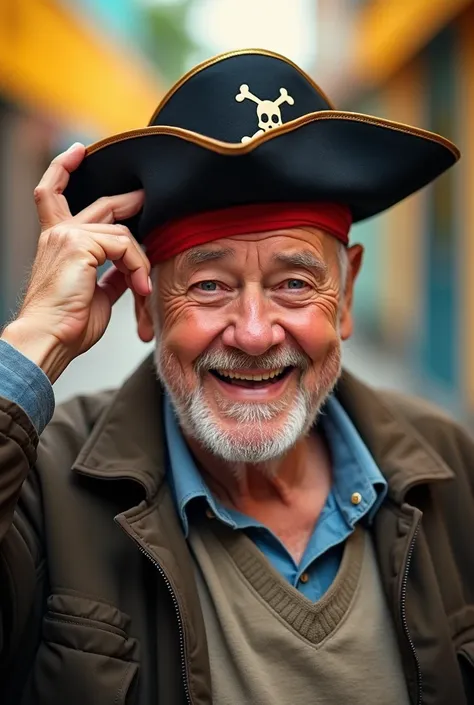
43 349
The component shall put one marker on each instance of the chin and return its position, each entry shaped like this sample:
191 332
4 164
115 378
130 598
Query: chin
248 433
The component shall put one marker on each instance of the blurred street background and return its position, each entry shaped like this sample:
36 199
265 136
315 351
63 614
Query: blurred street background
85 69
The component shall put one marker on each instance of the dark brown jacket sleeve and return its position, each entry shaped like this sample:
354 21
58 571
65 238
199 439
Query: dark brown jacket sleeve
20 547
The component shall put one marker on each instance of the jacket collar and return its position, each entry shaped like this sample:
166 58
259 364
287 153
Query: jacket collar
128 440
403 455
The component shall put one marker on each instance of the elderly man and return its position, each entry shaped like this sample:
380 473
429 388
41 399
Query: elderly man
240 522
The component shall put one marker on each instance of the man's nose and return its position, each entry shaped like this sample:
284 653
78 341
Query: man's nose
253 328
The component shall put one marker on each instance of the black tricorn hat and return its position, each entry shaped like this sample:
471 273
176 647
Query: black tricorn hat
251 127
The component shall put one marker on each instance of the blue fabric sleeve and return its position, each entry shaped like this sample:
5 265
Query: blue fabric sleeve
25 384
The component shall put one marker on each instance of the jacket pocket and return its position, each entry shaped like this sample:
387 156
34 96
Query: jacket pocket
466 663
85 655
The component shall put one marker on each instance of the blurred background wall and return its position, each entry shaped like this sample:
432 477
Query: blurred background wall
412 61
84 69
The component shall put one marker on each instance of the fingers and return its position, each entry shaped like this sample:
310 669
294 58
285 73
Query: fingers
122 235
128 259
107 240
115 283
51 205
53 208
110 209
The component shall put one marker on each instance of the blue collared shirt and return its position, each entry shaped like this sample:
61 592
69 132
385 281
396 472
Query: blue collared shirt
354 470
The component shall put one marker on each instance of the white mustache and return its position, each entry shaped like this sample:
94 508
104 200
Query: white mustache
235 360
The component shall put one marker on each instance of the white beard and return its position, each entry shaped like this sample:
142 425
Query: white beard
251 441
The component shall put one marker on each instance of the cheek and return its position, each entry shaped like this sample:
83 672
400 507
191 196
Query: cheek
315 330
188 331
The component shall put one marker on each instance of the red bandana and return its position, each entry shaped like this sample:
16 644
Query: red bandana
176 236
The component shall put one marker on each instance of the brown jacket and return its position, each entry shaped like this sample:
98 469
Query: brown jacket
98 600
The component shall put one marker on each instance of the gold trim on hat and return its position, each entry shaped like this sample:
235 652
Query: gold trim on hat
228 55
232 148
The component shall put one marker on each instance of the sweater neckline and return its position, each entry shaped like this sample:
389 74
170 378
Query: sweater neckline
313 621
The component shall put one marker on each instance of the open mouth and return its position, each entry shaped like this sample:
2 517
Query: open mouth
249 380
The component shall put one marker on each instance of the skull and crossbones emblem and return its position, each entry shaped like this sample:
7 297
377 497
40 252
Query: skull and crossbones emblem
268 111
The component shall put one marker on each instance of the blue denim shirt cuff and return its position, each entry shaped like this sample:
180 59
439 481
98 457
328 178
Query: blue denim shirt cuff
25 384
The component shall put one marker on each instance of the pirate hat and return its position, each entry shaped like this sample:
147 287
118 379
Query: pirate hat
251 127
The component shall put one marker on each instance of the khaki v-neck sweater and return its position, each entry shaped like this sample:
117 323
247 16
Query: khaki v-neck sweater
269 645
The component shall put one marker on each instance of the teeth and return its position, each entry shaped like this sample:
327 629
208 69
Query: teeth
252 378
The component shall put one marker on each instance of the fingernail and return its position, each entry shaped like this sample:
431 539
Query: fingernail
74 146
150 285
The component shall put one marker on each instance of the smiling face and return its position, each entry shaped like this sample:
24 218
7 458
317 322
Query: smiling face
248 337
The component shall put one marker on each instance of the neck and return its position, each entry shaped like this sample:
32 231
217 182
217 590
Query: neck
302 472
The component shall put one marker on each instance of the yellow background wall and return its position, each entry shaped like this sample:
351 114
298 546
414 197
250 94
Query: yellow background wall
389 32
52 62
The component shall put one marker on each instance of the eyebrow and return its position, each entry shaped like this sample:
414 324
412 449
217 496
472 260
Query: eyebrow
201 255
302 258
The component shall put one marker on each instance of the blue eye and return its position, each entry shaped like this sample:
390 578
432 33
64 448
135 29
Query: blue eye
207 285
296 284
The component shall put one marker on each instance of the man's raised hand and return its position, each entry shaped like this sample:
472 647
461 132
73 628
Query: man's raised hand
65 310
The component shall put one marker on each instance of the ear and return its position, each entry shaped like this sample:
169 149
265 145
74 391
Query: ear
144 318
346 323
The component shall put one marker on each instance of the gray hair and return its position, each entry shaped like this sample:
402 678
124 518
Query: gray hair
343 261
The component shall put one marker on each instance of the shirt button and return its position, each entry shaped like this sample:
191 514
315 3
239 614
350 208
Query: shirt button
210 514
304 577
356 498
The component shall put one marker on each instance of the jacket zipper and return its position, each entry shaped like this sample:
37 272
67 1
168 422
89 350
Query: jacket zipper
403 600
184 671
